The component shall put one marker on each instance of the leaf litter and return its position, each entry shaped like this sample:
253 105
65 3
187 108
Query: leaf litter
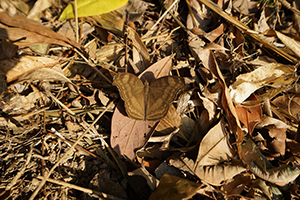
233 133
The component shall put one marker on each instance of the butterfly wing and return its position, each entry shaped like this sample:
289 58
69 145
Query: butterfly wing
162 92
132 92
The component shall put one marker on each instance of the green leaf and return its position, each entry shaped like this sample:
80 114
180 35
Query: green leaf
91 7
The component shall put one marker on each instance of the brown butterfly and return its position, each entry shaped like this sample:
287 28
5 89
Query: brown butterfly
144 101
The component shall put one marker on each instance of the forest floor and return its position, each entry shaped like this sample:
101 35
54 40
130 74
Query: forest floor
194 99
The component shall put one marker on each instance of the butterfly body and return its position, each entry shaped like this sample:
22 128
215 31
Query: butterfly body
144 101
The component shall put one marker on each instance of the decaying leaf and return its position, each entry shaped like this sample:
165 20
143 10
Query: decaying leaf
250 153
279 175
218 174
274 75
245 6
250 116
214 147
17 27
172 187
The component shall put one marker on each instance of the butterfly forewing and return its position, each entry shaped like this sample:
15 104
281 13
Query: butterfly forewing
161 93
132 92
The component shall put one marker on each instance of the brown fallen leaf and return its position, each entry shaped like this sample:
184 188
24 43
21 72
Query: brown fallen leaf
27 32
226 101
279 175
214 147
217 174
172 187
237 184
128 134
250 116
250 153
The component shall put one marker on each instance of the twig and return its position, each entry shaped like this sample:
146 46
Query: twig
60 103
76 21
126 41
68 152
174 17
92 65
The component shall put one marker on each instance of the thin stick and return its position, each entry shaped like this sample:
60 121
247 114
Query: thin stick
92 65
126 41
76 21
68 152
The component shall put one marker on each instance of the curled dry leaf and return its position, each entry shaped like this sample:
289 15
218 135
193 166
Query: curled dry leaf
151 180
172 187
142 62
226 101
12 69
217 174
245 7
292 44
279 175
267 121
237 184
18 26
275 75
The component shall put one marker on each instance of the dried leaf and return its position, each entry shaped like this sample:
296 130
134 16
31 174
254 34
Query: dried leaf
226 101
290 43
172 187
38 8
217 174
250 116
245 7
215 147
279 175
16 27
266 121
250 153
151 180
278 136
111 21
142 61
291 104
237 184
128 135
275 75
